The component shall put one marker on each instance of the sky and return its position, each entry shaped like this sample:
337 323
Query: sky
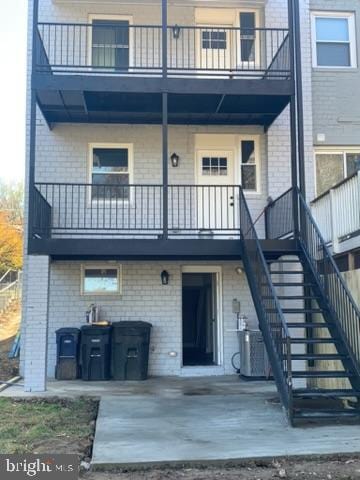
13 26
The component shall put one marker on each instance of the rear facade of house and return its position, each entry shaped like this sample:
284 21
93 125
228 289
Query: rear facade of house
170 162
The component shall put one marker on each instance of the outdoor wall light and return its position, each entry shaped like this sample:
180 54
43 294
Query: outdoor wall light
239 270
176 32
175 159
165 277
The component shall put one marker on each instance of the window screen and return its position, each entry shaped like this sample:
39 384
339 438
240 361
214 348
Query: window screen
110 44
333 48
110 173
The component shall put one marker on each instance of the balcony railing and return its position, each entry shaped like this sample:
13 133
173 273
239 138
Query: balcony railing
62 210
337 211
122 49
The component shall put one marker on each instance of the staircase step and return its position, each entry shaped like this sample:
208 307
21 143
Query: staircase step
317 356
307 325
321 374
287 272
313 340
296 310
295 297
327 413
324 393
285 260
291 284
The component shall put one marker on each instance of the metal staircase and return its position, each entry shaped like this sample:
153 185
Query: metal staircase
310 323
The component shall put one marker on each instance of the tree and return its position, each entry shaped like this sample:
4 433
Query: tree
12 201
11 225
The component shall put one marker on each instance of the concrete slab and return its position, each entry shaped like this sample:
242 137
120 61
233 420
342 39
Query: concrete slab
174 419
146 430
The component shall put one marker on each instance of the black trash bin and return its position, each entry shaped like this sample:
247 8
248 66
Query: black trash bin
130 350
95 352
67 353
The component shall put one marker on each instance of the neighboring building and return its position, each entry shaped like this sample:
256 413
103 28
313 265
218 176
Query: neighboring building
157 134
336 125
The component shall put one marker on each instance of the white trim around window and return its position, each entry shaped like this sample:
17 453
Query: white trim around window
129 147
257 164
98 16
350 17
340 151
106 267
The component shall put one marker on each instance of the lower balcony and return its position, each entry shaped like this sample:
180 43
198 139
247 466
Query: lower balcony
128 221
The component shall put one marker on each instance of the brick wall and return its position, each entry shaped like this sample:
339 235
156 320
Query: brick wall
145 298
62 156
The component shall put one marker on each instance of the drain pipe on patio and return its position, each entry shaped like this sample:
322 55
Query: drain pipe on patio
10 383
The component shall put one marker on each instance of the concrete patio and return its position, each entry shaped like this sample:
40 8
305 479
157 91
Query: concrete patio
181 420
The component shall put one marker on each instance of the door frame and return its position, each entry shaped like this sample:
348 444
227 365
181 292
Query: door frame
217 270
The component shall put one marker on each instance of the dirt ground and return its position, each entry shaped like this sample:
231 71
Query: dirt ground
48 425
9 324
320 468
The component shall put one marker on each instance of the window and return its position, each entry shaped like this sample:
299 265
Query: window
333 166
247 36
214 39
214 166
333 38
110 171
110 43
248 165
101 280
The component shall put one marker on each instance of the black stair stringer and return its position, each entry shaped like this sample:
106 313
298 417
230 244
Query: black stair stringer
284 389
334 325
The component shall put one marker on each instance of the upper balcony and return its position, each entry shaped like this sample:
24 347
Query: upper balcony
115 72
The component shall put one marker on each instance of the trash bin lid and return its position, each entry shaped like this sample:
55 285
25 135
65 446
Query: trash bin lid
96 329
67 330
132 324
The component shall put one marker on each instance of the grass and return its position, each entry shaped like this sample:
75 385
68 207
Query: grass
47 425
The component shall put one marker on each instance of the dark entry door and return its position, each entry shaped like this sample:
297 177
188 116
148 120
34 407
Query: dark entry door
198 319
110 44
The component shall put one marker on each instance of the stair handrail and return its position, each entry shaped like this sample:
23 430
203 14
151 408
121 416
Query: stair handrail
279 349
9 270
350 330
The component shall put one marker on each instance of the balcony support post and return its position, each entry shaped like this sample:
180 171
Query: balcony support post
299 96
293 133
32 119
165 127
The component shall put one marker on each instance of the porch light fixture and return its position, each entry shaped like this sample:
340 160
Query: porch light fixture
239 270
176 32
165 277
175 159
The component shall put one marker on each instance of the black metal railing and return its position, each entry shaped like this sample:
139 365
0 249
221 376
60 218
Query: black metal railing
279 216
136 210
343 307
120 48
41 215
345 312
211 209
271 319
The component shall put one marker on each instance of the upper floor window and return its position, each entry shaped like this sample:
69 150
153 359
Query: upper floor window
111 170
110 43
247 36
333 39
249 165
333 166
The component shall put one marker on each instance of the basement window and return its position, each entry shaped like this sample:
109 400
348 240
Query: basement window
101 280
